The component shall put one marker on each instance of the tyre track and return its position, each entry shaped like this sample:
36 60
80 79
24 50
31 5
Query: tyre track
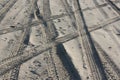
110 67
19 59
113 6
88 47
62 40
6 8
98 6
101 9
20 48
47 15
48 31
70 12
67 37
59 40
104 24
108 21
23 41
35 23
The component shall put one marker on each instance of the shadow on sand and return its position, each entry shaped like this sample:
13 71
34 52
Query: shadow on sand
66 61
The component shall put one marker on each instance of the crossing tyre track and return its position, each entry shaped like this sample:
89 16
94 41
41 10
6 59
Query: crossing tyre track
21 45
23 41
17 60
109 2
85 41
88 47
47 31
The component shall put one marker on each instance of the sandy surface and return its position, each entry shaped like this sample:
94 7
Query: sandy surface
31 25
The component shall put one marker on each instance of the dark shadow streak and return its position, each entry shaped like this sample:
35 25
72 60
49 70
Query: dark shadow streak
66 61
